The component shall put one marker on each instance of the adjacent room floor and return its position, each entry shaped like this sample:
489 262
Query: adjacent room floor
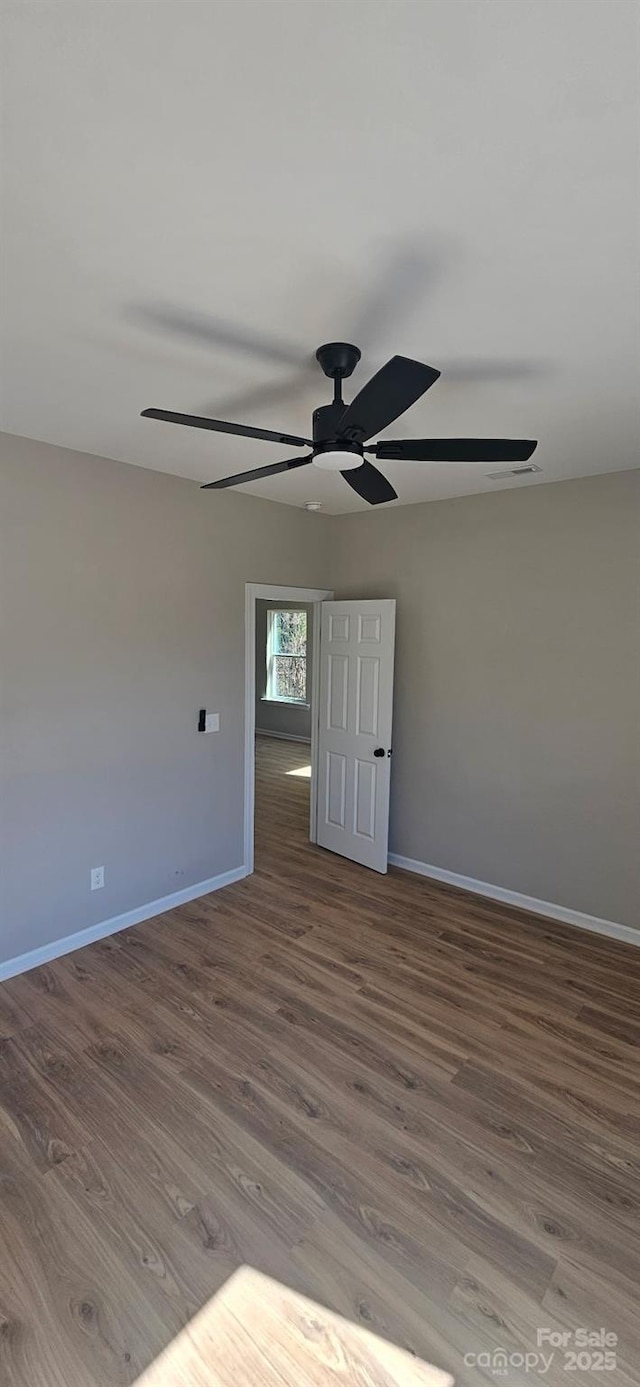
415 1106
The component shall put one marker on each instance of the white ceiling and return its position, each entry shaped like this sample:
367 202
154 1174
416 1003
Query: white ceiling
455 180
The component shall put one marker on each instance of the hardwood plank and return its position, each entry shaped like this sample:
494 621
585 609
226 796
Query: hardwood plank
47 1131
258 1331
76 1316
416 1108
347 1272
486 1299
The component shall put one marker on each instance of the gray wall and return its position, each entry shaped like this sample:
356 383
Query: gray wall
517 705
516 744
283 719
121 614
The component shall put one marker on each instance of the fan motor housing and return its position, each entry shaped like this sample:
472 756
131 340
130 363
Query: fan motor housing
338 359
326 420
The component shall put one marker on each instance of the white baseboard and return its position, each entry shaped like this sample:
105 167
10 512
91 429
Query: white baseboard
48 952
500 893
281 736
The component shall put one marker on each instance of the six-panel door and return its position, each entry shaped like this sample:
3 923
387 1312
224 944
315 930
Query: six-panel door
355 716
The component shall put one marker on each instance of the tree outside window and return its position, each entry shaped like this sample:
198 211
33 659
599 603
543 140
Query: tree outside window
287 656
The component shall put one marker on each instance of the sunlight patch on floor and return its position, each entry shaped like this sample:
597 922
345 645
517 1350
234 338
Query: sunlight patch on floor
304 772
256 1330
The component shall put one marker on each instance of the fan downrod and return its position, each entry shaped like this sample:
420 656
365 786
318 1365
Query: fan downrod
338 359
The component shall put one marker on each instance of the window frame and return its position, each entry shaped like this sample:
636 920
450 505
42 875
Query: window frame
272 656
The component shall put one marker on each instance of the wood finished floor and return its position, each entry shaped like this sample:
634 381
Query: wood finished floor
416 1107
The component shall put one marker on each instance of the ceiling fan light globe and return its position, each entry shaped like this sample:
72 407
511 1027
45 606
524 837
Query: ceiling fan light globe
337 460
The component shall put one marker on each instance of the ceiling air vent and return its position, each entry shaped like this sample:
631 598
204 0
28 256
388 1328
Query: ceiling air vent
524 471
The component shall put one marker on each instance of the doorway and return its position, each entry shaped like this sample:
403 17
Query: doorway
281 680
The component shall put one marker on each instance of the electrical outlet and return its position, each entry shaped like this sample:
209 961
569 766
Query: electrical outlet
97 878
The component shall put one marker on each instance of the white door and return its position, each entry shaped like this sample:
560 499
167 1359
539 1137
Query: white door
354 734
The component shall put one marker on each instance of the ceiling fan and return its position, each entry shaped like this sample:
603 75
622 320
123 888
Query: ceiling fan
340 431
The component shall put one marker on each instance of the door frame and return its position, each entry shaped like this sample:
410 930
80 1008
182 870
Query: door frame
270 593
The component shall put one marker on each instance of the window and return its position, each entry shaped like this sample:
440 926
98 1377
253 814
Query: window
287 656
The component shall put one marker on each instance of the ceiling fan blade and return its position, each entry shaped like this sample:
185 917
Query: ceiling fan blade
389 393
296 386
454 449
370 484
212 331
476 370
196 421
403 273
257 472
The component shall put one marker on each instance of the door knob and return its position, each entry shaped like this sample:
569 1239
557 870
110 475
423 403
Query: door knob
379 751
